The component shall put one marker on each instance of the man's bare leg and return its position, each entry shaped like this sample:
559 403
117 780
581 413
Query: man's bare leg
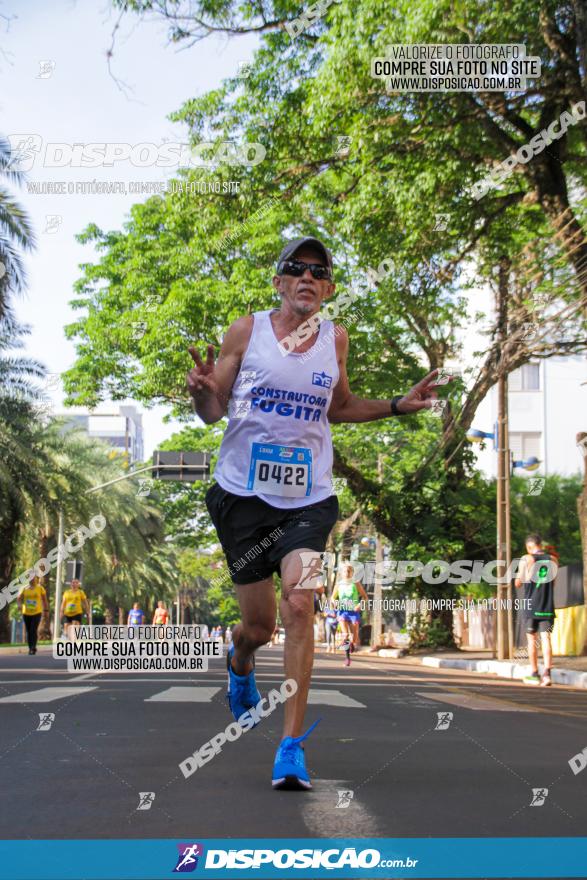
532 651
297 614
258 610
546 649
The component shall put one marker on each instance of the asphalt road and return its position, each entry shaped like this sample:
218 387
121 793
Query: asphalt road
110 740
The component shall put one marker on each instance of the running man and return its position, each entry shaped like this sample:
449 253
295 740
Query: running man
536 574
136 616
275 470
348 594
32 601
73 604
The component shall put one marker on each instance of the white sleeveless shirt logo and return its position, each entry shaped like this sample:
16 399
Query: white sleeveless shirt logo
278 445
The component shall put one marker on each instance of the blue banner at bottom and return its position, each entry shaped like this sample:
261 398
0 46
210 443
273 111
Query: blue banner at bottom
304 858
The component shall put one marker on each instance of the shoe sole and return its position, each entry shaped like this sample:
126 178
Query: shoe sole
531 683
291 783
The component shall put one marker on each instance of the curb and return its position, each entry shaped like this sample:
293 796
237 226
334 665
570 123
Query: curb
503 669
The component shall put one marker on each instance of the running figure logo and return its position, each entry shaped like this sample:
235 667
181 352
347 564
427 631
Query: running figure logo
343 144
146 799
187 861
344 799
239 409
46 719
46 68
539 795
23 148
535 485
444 719
437 407
247 379
144 489
312 569
52 223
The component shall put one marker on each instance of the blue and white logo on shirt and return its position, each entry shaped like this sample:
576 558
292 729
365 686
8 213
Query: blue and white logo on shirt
322 379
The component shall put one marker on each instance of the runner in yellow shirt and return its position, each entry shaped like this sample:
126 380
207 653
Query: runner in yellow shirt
74 602
32 601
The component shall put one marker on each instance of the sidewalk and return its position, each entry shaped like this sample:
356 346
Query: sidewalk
23 649
571 671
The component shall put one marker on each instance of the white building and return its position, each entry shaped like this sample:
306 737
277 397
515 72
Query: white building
547 402
123 431
547 409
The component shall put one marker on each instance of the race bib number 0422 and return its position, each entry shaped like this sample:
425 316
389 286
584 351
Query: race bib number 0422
280 470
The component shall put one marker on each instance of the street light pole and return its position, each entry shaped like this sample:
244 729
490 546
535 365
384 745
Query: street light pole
377 617
58 579
508 550
503 464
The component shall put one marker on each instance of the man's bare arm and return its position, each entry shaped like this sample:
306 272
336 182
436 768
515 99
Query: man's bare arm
347 407
210 384
522 572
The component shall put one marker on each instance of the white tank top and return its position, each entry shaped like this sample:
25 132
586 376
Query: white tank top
278 445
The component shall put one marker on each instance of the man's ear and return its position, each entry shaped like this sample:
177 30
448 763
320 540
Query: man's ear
276 282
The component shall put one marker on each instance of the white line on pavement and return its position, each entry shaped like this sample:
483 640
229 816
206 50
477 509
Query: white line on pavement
184 695
45 695
474 701
332 698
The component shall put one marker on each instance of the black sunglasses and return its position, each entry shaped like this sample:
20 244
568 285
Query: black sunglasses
298 267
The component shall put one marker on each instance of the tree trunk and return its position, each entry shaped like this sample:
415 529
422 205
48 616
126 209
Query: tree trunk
45 623
109 612
8 538
5 565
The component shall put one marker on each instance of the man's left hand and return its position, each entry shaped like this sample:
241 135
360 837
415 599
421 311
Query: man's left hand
421 396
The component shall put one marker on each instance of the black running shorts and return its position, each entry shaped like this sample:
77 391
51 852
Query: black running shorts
537 624
250 531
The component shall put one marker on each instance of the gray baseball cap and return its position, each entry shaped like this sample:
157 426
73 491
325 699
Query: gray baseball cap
290 249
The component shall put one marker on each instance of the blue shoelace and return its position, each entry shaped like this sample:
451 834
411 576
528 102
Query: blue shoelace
290 749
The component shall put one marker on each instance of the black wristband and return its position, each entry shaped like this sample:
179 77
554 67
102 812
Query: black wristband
394 410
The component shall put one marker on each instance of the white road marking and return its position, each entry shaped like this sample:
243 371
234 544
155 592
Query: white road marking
184 695
85 676
487 704
333 698
46 695
320 813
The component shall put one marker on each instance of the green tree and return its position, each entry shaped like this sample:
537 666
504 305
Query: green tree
16 233
129 559
21 452
188 266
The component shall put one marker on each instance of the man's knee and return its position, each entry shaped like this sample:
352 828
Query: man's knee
258 633
299 608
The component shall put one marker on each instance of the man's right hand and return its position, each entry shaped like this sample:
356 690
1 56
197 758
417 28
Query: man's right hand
200 379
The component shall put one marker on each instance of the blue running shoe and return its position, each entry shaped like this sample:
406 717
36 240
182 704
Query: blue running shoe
242 692
289 769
